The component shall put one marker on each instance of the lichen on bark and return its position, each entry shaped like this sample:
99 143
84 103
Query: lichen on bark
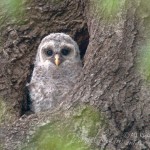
5 115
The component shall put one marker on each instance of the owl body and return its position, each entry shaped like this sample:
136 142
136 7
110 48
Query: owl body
56 70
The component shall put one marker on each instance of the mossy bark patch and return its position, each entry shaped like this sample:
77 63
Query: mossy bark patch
76 132
5 114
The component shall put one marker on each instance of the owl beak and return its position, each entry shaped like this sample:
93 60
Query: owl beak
57 60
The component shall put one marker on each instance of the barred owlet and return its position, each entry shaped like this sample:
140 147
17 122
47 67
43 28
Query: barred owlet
57 67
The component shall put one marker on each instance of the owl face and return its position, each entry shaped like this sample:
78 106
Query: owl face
58 49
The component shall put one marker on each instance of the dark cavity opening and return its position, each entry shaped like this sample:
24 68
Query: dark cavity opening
82 39
25 108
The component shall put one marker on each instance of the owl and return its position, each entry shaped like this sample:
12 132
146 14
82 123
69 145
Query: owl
56 69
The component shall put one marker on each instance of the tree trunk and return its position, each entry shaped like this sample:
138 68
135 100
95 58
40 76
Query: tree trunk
21 38
110 81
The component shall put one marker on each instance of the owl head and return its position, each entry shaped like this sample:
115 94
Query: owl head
57 49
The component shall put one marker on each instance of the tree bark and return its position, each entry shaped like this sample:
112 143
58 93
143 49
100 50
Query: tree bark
22 37
110 80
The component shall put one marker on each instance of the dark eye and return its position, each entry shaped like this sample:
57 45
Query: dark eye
49 52
65 51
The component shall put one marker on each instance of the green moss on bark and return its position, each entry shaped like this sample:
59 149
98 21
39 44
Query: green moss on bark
109 10
76 132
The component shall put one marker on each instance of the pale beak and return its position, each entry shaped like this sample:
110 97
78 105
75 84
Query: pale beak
57 60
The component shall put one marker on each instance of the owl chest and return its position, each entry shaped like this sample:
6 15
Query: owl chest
48 89
52 84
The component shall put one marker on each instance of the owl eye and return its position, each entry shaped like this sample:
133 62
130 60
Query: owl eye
49 52
65 51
